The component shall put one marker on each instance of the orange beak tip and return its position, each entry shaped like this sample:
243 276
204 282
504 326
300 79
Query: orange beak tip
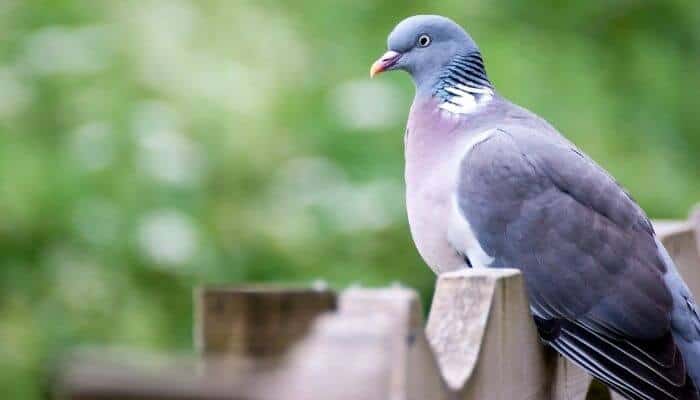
376 69
386 61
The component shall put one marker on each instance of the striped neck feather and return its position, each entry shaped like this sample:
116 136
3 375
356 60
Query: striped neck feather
463 84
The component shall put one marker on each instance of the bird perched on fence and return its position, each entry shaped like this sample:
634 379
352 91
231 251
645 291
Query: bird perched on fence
491 184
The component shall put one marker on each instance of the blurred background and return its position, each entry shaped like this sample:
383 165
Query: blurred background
147 147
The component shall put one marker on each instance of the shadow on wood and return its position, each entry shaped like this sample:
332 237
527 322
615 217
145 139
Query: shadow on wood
255 321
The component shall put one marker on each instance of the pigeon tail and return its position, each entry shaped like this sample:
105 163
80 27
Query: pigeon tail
639 370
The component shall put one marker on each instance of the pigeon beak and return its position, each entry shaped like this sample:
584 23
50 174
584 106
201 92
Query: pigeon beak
384 63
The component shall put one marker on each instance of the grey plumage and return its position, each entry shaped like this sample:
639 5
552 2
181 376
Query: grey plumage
491 184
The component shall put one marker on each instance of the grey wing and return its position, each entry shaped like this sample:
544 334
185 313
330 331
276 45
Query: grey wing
588 254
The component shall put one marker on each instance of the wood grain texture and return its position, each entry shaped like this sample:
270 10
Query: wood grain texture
255 321
486 343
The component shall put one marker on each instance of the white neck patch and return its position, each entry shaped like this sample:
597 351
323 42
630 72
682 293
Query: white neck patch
466 99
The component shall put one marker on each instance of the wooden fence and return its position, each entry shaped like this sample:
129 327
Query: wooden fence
362 344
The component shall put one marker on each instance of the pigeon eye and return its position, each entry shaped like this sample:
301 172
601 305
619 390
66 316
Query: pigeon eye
424 41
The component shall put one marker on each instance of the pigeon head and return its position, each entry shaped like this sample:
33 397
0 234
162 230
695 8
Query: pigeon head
423 46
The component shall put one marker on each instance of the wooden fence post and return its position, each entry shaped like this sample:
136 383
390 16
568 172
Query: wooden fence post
255 322
119 375
695 222
487 345
372 347
413 370
365 344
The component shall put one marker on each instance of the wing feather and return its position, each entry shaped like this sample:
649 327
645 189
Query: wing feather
588 255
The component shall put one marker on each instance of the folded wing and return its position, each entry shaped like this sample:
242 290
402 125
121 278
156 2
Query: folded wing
588 255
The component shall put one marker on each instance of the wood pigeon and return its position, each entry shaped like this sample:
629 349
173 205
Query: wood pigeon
490 184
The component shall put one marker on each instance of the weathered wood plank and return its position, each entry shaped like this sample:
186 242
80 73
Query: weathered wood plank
666 226
366 344
255 321
413 372
695 222
105 375
486 343
361 351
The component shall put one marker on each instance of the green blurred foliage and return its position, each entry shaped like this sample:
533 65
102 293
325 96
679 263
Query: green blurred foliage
150 146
